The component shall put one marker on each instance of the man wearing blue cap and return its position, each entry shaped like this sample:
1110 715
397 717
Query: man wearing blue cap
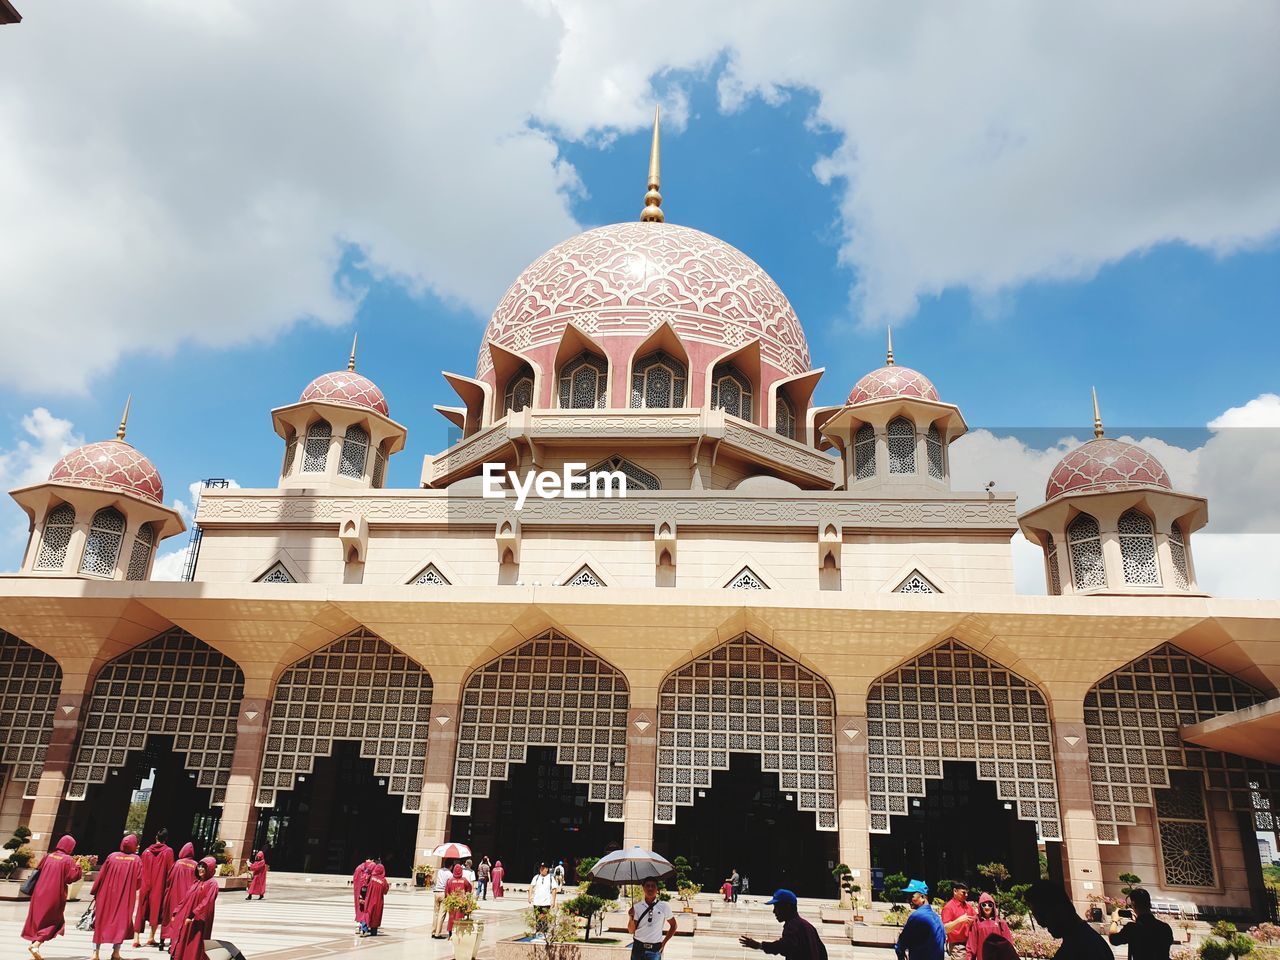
799 940
922 937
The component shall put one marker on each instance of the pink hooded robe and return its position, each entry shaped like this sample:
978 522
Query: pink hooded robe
182 877
372 916
49 901
258 885
157 860
359 879
115 893
496 877
456 884
981 929
194 916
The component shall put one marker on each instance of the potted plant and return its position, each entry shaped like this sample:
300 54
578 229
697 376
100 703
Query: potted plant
19 858
467 933
843 877
855 891
686 890
420 872
88 864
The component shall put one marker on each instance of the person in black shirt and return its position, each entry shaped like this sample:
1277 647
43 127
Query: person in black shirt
1148 937
1054 911
799 940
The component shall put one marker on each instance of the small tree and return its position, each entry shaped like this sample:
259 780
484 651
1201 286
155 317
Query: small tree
844 881
1129 881
997 873
589 908
684 870
893 884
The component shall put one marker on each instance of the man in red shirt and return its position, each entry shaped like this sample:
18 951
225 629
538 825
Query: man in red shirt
957 914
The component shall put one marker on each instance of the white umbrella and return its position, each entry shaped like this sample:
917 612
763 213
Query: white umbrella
632 865
452 851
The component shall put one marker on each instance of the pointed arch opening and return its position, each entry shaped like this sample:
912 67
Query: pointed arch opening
1084 544
56 537
102 547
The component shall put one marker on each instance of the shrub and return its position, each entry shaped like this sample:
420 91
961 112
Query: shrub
1265 933
893 884
1223 930
463 904
587 907
1241 945
1035 944
1129 881
554 926
1214 949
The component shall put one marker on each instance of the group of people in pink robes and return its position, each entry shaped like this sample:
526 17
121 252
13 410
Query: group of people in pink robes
369 884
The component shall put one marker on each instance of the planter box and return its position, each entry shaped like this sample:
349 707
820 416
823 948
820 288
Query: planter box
836 915
686 923
11 890
233 883
865 935
517 948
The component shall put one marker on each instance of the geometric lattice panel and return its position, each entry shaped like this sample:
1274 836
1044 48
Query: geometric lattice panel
746 697
29 684
1182 820
1132 717
357 688
952 703
172 685
548 692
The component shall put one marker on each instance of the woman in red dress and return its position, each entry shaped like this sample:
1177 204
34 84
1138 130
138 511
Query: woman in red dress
115 895
182 877
195 914
375 893
258 885
49 901
359 881
498 873
157 860
456 884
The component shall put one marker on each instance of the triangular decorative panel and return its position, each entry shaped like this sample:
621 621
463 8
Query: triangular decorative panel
746 580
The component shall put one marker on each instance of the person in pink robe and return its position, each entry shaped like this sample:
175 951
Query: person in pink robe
498 873
456 884
375 894
359 881
157 860
49 901
988 924
115 896
258 883
195 914
182 877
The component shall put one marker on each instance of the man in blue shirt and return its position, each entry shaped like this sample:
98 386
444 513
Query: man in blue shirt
922 937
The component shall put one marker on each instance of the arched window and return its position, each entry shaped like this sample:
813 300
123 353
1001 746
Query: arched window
637 477
56 538
102 548
1138 548
355 452
290 453
784 416
519 393
864 452
731 391
1084 541
583 381
140 555
1051 555
315 451
933 450
380 466
658 381
902 446
1178 550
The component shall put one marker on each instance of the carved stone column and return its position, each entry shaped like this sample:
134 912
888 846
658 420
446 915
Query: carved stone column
642 774
68 717
1081 861
437 780
853 800
239 814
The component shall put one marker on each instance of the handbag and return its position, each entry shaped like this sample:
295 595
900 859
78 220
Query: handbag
86 919
29 885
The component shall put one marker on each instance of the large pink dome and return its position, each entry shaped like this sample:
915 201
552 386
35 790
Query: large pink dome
625 279
1105 464
348 388
110 465
893 381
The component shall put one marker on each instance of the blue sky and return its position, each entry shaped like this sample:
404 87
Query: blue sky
1173 333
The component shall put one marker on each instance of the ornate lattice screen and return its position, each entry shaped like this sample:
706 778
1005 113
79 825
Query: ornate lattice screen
746 697
548 692
952 703
1133 718
357 688
172 685
29 683
1182 821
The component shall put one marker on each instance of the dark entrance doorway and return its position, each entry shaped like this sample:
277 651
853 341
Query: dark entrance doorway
336 816
745 820
152 790
959 823
539 815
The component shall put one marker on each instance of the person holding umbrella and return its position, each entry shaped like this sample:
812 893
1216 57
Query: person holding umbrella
799 940
650 923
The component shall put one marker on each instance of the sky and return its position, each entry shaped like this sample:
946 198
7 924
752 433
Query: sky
202 202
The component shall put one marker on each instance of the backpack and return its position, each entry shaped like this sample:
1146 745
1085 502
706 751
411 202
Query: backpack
998 947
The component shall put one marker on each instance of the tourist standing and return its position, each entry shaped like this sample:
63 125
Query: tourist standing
258 882
558 873
196 913
374 896
47 909
957 915
182 877
1148 937
115 895
359 880
650 923
157 860
443 875
483 872
1054 911
735 881
799 940
469 873
458 884
987 925
499 871
726 889
542 895
922 937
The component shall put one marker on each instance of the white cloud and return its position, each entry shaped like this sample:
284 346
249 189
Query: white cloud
191 171
42 440
171 564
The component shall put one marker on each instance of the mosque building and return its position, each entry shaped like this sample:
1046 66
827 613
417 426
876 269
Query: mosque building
791 643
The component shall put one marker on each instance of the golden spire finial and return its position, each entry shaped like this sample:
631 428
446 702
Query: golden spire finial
124 419
888 358
351 364
652 212
1097 417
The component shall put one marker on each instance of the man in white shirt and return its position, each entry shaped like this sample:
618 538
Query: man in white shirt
542 895
646 922
468 874
437 890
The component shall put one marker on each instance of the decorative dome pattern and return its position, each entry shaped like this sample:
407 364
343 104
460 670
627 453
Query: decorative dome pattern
893 381
348 388
627 278
110 465
1105 464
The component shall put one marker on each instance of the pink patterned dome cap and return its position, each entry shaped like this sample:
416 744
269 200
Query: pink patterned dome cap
893 381
110 465
1106 464
347 388
624 279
